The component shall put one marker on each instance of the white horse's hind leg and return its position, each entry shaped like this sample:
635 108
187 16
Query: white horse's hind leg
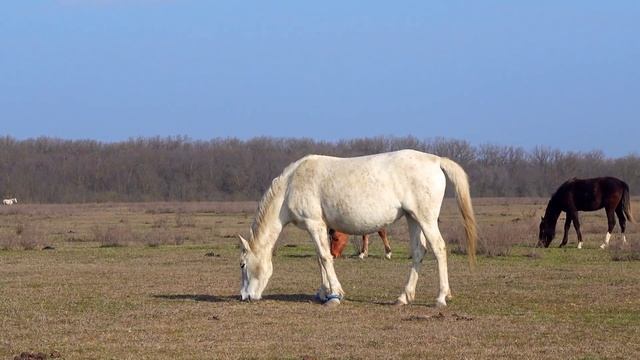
330 287
418 248
440 251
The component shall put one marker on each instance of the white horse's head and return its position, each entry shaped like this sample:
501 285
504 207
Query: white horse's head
256 269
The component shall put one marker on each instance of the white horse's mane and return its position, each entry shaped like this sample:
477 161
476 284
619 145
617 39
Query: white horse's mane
276 188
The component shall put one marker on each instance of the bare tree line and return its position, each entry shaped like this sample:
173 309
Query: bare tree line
179 169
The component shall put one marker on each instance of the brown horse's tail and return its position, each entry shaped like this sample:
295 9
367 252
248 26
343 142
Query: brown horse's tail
626 204
460 181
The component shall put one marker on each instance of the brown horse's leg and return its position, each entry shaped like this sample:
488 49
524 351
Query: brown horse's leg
364 252
611 223
567 226
576 225
387 248
623 221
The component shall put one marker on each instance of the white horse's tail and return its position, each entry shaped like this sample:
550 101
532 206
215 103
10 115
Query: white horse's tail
458 177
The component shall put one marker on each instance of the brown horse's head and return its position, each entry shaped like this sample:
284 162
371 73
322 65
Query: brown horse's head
547 232
338 242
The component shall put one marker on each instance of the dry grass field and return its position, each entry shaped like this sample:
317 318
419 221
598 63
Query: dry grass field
161 280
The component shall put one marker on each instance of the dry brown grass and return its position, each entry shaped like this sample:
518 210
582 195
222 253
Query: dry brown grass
169 301
625 252
113 235
26 237
185 220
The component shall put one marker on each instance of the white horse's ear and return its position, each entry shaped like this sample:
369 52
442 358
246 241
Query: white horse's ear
244 243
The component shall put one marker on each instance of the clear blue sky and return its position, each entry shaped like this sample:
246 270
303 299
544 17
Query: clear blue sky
562 74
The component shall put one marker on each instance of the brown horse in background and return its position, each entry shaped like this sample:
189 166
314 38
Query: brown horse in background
586 195
339 241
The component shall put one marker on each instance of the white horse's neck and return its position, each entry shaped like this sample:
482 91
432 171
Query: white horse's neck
269 219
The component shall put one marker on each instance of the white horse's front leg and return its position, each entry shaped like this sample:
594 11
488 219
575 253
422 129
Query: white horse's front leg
323 291
330 289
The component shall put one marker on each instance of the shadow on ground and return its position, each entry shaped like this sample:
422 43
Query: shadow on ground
213 298
197 297
291 297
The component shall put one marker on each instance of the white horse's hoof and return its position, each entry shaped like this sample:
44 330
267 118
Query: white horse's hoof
362 256
399 303
441 303
388 256
332 302
321 296
603 246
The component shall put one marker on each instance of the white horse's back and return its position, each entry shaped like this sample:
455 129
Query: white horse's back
363 194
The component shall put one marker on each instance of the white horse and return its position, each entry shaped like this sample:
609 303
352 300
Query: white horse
10 201
357 196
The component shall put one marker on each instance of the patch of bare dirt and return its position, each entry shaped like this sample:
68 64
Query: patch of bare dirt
37 356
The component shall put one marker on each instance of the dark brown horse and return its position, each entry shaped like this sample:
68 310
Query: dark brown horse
339 241
586 195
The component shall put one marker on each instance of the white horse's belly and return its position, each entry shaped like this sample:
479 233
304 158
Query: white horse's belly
361 219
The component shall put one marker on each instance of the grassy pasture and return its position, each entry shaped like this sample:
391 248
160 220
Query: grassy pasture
167 287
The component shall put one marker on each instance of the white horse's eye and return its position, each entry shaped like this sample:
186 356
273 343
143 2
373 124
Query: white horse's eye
242 265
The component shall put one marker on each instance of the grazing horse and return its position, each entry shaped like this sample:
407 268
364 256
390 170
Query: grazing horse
358 196
339 241
586 195
10 201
